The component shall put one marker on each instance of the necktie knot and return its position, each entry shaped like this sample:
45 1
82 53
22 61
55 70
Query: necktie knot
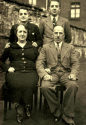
58 46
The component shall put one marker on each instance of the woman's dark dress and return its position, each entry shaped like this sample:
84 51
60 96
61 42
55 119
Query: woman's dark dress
22 82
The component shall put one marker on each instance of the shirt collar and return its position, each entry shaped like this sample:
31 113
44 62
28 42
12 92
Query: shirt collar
56 17
60 44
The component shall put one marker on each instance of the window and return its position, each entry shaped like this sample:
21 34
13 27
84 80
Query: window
75 10
33 2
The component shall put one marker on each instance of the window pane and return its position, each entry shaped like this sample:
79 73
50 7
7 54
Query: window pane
30 1
77 15
34 2
72 6
72 13
77 6
77 10
72 10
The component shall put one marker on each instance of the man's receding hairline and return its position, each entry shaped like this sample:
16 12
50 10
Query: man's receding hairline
58 26
54 1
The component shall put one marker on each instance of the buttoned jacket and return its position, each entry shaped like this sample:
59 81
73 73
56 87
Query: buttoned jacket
48 57
22 59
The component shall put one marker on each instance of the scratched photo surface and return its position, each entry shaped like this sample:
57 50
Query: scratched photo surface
75 12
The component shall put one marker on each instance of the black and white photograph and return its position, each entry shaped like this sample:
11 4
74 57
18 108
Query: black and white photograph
42 62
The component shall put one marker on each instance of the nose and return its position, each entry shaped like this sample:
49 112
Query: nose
54 7
22 33
22 15
58 35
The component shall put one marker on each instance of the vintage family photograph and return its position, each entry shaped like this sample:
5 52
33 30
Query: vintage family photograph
42 62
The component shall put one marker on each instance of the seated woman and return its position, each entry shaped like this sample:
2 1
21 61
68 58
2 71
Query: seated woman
21 75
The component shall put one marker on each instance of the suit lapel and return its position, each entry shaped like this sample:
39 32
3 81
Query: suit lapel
49 23
64 51
53 51
60 21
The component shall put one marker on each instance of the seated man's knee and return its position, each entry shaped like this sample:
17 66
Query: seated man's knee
45 85
73 84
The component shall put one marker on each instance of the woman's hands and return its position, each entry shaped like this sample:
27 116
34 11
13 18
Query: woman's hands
7 45
34 44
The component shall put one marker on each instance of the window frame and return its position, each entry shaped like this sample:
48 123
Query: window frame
75 9
32 2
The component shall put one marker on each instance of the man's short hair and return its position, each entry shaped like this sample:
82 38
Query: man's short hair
24 8
53 0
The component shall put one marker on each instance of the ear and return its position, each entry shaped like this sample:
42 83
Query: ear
59 11
49 9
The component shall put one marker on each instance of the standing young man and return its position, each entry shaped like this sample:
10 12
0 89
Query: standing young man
46 25
33 31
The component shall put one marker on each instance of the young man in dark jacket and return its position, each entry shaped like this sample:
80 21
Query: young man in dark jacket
33 30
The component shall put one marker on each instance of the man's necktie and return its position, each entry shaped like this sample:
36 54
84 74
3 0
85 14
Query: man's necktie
59 49
58 52
54 22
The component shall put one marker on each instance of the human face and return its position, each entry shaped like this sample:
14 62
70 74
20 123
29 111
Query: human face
58 34
21 33
54 8
23 15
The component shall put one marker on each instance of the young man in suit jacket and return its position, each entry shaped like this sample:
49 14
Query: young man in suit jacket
33 30
58 61
47 24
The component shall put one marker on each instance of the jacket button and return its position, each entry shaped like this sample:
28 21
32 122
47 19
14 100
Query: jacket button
25 62
22 49
22 54
22 58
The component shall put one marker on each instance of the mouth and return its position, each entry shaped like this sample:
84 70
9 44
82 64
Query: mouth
23 18
57 40
54 11
22 37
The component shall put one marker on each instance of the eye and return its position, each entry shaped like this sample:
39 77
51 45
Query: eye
52 6
56 6
56 32
25 13
25 31
20 14
60 33
20 31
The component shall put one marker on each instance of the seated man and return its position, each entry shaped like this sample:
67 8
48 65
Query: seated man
62 65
